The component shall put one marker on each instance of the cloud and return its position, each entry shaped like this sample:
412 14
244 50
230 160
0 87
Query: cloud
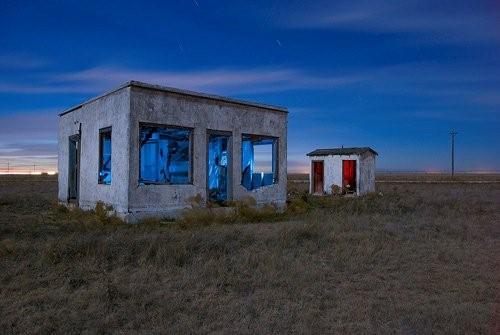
27 138
28 150
446 85
19 156
468 82
439 81
228 81
26 125
444 21
489 98
448 115
254 80
44 88
12 61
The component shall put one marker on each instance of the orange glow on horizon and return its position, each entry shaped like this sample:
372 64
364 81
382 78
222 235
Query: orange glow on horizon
24 172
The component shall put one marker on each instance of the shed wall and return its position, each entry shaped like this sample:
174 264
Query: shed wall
367 174
333 171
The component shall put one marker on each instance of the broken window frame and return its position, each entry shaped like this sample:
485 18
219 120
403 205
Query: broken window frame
229 166
190 153
103 135
274 158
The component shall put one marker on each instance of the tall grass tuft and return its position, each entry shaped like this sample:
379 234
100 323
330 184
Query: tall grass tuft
243 211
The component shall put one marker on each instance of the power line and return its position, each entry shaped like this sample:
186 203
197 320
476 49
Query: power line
7 167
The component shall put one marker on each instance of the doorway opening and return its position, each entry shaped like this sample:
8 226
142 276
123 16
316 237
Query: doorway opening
318 177
349 176
218 164
74 168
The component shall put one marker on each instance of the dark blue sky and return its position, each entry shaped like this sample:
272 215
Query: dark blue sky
393 75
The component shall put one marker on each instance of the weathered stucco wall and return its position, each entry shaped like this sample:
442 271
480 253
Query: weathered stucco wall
112 110
200 114
365 172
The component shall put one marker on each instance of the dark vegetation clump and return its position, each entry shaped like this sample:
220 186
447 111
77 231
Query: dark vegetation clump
243 211
410 259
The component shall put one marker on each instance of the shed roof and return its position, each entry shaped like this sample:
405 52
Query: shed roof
134 83
342 151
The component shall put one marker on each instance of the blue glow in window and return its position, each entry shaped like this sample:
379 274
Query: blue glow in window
164 155
105 156
217 167
259 158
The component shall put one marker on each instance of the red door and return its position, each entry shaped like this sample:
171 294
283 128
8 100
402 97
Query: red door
317 177
349 175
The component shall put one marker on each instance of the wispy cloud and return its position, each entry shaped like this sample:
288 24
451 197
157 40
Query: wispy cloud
227 81
247 80
439 84
468 21
44 88
25 125
488 98
14 61
448 115
470 84
27 151
29 137
412 79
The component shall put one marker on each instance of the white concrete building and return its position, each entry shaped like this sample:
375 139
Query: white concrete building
348 170
146 150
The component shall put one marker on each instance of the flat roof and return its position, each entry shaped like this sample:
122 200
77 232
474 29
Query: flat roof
134 83
342 151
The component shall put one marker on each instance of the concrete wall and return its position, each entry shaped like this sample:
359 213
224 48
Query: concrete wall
109 111
365 172
200 114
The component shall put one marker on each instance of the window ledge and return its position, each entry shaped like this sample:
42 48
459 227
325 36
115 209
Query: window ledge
163 184
259 188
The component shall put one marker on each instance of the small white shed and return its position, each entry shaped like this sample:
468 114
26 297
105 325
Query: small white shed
346 170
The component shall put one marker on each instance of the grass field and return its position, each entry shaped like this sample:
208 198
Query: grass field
416 258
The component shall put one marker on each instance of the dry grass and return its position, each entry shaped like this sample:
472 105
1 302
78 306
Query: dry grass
419 259
436 177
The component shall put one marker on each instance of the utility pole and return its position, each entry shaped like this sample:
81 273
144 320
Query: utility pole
453 133
8 167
